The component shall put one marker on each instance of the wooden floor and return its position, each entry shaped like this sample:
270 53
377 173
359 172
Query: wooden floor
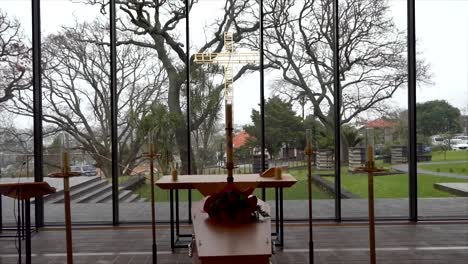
344 243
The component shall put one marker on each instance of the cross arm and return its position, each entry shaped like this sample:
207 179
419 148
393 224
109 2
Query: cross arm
226 58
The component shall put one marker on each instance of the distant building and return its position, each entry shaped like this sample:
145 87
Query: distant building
240 139
385 130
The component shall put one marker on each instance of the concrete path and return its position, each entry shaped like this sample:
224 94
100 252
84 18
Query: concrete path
459 189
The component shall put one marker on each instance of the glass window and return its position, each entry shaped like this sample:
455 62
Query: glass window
299 96
373 55
16 122
76 107
442 109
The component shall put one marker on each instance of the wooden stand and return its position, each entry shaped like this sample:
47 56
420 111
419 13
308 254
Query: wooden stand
66 174
230 244
308 151
371 169
229 147
25 191
151 156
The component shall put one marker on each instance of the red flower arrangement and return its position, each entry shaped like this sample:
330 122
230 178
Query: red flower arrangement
232 205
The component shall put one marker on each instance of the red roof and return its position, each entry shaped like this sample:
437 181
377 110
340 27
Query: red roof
240 139
381 123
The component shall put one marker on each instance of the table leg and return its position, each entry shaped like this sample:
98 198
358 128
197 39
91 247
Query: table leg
276 212
190 206
171 205
28 231
1 215
281 218
19 231
177 213
22 219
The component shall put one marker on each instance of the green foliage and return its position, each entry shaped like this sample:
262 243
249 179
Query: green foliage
283 126
437 117
351 136
244 152
322 138
162 124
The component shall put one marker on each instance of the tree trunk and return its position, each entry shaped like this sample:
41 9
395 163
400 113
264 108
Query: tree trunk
175 84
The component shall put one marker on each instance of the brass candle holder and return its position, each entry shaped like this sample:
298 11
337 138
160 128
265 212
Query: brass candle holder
309 152
370 169
152 155
229 147
65 174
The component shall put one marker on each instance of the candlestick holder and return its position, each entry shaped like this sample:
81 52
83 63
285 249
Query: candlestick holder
152 155
370 169
309 152
65 174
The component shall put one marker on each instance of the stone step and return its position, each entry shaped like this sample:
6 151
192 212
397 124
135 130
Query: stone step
107 196
92 195
81 185
79 192
131 198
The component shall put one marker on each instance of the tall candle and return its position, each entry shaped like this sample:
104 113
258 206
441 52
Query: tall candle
308 148
150 143
370 153
65 161
229 148
228 114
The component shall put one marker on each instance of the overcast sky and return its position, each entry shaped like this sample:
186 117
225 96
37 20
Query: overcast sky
442 35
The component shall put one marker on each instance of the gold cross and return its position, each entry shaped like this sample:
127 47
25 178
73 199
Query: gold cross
227 59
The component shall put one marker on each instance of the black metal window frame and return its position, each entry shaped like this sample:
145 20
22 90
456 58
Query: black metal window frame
37 104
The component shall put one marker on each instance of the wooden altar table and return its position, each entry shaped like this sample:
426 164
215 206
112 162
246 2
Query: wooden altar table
209 184
24 191
230 244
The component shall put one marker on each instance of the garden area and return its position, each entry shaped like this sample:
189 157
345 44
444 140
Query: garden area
387 186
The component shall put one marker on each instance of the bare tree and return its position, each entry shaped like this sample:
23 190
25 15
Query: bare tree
205 97
76 92
14 58
372 51
156 25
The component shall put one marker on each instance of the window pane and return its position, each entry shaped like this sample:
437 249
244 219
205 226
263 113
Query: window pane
295 101
442 109
16 122
76 107
374 107
152 107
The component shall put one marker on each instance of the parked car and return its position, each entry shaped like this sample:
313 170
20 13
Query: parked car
437 140
85 170
460 146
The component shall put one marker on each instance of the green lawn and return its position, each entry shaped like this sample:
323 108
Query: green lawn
394 186
449 155
120 179
297 192
391 186
144 191
457 168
